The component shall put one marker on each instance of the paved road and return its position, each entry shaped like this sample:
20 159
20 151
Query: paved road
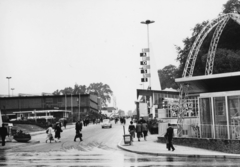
99 148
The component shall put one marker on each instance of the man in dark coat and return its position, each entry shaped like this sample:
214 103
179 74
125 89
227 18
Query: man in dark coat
78 128
169 137
3 134
65 123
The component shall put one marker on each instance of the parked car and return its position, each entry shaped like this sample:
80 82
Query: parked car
106 124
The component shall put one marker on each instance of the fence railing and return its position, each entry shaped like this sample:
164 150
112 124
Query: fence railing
205 131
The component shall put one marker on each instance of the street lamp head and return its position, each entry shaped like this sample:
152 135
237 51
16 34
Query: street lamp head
8 77
147 22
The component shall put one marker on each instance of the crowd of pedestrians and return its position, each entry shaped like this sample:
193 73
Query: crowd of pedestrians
141 129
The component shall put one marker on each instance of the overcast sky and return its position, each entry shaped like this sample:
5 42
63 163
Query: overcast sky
47 45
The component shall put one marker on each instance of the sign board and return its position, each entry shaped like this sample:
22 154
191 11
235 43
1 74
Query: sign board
143 54
144 79
146 75
143 71
143 109
146 58
162 113
145 50
146 67
143 63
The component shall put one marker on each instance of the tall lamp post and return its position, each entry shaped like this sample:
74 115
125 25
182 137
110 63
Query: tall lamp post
12 90
8 85
147 22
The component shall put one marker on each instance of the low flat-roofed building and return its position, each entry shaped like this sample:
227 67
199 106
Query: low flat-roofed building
219 103
12 106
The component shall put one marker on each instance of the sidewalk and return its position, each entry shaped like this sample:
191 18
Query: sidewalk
15 144
152 147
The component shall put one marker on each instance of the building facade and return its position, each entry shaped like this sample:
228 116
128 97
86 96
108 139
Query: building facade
84 104
218 102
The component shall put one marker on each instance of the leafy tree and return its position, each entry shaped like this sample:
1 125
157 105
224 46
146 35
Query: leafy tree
102 90
167 77
231 6
121 112
79 89
57 92
227 51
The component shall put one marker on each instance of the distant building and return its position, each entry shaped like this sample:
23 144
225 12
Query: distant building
12 106
155 101
108 111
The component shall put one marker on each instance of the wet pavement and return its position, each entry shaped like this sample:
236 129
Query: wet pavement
105 147
152 147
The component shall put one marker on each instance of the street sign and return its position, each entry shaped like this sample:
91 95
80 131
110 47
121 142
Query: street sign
146 75
144 79
146 66
143 54
143 63
143 71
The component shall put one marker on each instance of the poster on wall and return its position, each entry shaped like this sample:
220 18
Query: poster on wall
162 113
143 109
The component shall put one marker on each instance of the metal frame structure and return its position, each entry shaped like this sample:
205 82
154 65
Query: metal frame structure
220 24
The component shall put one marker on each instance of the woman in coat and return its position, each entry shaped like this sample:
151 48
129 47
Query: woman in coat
132 130
139 130
50 134
58 131
144 129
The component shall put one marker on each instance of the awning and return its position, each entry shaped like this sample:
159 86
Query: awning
212 83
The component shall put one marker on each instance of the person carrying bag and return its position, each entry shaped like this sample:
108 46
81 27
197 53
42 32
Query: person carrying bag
132 130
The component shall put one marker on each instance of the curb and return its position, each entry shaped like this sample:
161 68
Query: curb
178 155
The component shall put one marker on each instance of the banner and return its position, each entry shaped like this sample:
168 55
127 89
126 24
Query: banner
143 110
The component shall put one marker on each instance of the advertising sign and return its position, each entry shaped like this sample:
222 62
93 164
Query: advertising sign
143 110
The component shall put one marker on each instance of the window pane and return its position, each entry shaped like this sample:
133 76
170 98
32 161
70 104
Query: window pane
234 117
220 118
206 118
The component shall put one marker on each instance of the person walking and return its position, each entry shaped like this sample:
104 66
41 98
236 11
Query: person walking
65 123
169 137
139 130
78 128
58 131
50 134
132 130
144 129
3 134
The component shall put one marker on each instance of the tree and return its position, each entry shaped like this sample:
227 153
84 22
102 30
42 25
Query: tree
183 52
231 6
79 89
121 113
102 90
167 77
228 45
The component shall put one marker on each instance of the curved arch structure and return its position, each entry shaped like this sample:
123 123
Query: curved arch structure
220 24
